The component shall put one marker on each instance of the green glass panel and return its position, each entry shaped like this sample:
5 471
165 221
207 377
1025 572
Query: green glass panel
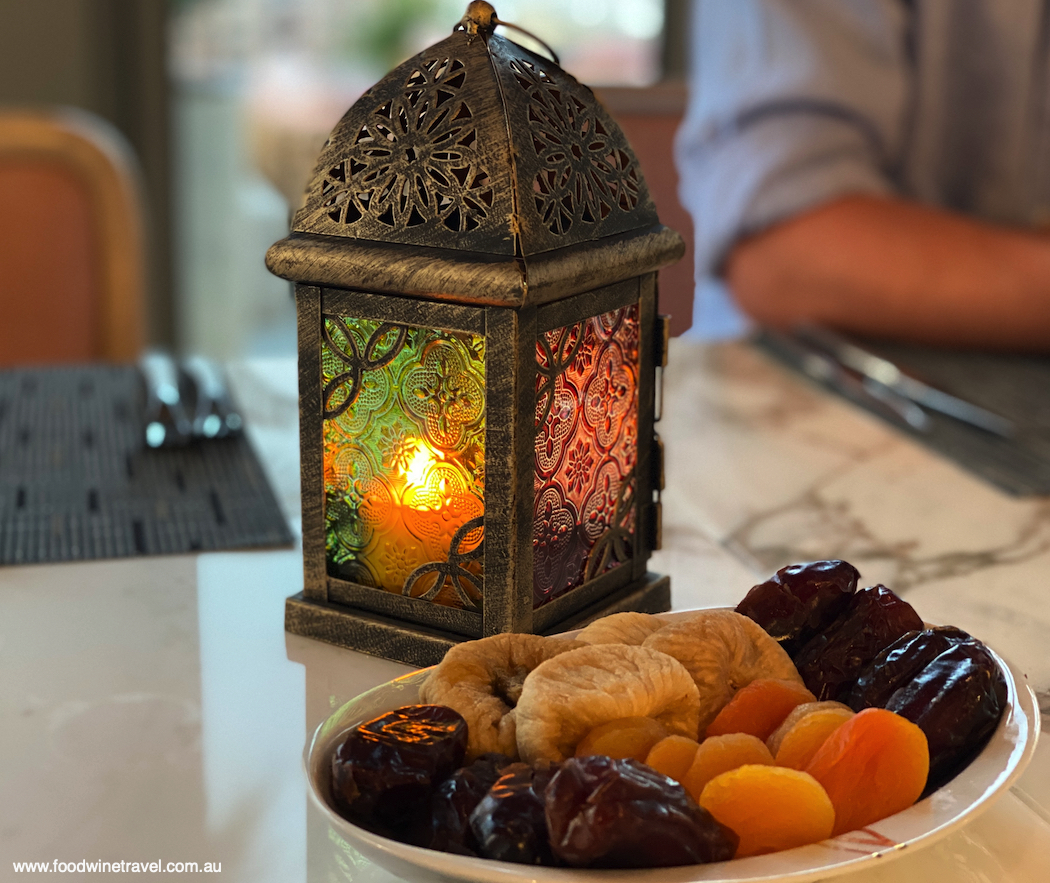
404 458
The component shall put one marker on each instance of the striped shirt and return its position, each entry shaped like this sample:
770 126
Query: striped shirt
797 102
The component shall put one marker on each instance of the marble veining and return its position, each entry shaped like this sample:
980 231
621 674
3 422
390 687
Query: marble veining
155 708
769 469
815 526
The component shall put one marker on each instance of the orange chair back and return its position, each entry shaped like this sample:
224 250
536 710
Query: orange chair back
72 249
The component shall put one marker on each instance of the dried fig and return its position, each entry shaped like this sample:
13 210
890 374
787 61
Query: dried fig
566 697
723 651
482 680
621 628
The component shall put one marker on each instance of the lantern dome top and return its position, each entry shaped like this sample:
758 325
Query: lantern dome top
475 153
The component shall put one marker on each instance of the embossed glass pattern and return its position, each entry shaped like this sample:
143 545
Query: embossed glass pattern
586 450
404 458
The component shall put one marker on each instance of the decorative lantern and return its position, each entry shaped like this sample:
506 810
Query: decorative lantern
475 279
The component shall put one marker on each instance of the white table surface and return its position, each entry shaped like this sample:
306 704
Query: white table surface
154 709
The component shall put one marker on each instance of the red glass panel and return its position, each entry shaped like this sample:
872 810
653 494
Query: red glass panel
586 450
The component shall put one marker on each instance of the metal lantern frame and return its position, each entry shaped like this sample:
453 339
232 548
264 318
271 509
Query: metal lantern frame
439 207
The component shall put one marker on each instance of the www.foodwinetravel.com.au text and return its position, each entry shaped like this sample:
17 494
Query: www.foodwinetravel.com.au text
120 867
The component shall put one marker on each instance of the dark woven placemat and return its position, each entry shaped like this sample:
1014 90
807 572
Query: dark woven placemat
1015 386
77 482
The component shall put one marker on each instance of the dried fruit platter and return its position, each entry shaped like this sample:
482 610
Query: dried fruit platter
967 794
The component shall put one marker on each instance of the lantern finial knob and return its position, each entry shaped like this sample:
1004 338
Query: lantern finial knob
480 17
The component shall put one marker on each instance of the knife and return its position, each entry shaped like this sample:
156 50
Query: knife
818 365
214 415
167 423
884 373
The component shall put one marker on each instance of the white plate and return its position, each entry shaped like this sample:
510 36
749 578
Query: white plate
970 793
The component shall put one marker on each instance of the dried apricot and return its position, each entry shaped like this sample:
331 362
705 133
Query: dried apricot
872 766
797 713
672 756
759 707
796 745
622 737
769 808
719 754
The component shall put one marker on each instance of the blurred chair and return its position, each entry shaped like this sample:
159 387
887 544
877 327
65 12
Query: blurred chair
649 118
72 240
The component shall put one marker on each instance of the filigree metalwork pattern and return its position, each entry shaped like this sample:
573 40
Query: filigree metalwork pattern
586 451
404 468
585 171
477 145
414 159
460 573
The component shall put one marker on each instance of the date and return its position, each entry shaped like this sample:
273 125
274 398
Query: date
831 662
606 813
799 601
384 772
900 662
456 798
510 822
956 700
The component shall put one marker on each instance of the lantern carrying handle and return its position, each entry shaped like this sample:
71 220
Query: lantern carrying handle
481 18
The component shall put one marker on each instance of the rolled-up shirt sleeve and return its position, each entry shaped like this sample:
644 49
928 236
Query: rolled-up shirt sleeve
793 103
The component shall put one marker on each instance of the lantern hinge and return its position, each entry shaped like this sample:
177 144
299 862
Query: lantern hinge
657 459
663 341
655 525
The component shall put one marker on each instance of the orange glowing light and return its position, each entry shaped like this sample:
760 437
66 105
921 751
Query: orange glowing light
417 474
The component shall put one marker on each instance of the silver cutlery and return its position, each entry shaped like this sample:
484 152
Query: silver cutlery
166 418
879 373
818 365
214 414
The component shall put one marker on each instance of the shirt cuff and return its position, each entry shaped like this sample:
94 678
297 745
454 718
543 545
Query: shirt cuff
740 183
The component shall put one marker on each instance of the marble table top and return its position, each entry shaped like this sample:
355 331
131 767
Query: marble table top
154 710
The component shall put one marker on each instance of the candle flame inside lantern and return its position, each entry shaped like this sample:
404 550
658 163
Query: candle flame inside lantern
422 460
404 470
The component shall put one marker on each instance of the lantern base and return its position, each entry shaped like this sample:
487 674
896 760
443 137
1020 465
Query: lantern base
420 645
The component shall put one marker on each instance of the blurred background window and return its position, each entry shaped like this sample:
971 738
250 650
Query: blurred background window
228 102
259 84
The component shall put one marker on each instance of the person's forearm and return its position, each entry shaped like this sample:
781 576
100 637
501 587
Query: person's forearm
887 267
